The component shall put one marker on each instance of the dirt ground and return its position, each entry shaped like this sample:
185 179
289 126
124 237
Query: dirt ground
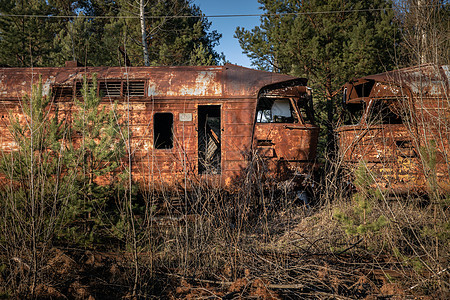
85 274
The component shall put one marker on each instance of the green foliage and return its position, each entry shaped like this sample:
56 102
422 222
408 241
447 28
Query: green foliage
40 41
101 138
77 41
61 177
428 155
361 220
201 57
38 163
89 40
34 204
26 40
343 44
440 231
96 156
171 41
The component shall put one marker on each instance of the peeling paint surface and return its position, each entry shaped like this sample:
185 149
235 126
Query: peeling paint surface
181 93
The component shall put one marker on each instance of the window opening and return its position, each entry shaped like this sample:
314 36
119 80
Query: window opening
274 111
353 112
163 130
363 90
209 139
305 111
384 112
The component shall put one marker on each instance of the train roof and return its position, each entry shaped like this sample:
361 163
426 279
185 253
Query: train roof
228 81
428 80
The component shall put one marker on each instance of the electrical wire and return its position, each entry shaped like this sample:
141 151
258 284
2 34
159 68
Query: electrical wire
216 16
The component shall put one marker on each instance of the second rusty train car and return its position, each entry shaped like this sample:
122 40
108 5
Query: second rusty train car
187 123
399 127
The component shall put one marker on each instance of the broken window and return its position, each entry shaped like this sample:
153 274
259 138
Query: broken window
306 111
274 111
353 113
163 130
384 112
209 140
363 90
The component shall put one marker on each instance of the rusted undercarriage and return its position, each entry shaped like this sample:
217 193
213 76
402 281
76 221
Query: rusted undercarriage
187 124
398 124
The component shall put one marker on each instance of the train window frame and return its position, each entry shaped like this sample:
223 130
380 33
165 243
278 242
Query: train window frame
160 127
265 109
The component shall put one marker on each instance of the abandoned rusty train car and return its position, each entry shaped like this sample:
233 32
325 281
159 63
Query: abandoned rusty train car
399 126
187 123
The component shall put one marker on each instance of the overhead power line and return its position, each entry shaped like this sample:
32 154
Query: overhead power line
212 16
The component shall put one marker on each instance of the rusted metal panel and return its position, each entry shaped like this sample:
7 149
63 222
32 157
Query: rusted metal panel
164 82
403 132
278 120
229 92
273 136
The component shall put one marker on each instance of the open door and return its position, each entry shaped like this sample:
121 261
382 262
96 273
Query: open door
209 149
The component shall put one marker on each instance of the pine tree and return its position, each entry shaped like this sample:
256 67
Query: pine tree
362 220
171 40
84 37
75 41
95 153
92 32
36 164
24 40
34 204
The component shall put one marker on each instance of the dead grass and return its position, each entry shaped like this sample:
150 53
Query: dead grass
294 252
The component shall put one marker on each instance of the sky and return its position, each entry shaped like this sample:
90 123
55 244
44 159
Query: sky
227 26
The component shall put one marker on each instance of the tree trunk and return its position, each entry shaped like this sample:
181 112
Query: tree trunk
144 34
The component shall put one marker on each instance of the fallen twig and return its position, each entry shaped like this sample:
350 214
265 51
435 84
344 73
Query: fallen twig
352 246
438 273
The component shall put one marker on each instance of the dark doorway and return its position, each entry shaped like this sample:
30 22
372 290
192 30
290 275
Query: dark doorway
209 157
163 130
